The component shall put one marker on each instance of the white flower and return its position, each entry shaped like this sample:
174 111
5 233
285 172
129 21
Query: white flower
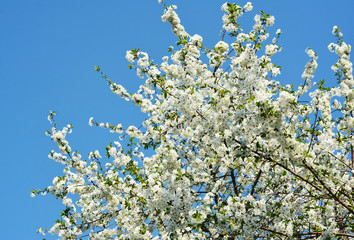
97 154
90 121
258 23
112 151
58 136
224 7
129 56
221 47
270 21
248 7
271 50
334 68
170 16
275 71
331 47
311 53
197 40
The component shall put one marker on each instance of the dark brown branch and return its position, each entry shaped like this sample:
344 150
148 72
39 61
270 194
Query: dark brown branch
201 115
340 160
234 182
272 231
256 181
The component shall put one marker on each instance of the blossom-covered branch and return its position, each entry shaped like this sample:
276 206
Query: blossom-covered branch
226 150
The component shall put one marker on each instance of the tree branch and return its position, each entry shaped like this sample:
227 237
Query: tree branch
234 182
256 181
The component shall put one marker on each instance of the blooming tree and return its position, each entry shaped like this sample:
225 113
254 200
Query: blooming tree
226 151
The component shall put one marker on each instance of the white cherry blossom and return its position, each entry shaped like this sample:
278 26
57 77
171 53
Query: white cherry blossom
226 150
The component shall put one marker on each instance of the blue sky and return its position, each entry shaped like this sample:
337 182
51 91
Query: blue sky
48 50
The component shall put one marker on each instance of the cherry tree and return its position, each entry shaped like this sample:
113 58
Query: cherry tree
226 150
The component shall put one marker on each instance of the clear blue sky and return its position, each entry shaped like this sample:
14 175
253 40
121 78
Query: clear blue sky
48 49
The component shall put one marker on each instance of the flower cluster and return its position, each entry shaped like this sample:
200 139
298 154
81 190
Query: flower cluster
226 150
171 16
